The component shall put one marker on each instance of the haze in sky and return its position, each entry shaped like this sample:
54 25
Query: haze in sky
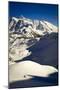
33 11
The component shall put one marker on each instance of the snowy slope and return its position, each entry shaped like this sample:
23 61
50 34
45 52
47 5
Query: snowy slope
24 70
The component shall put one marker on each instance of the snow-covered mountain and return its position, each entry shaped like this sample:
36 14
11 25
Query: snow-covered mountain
34 43
28 28
24 33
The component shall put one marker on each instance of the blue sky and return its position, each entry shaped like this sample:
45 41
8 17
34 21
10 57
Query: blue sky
47 12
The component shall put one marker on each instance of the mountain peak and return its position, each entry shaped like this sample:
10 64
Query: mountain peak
31 28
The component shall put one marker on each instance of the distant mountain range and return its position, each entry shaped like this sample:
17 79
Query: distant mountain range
28 28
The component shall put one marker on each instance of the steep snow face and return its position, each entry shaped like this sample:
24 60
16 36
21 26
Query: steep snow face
27 69
48 27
